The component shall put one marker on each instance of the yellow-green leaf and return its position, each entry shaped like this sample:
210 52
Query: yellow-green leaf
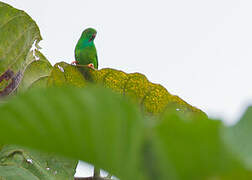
18 32
64 74
35 70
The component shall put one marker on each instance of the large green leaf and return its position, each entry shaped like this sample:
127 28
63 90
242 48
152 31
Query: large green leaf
154 98
18 32
43 166
191 148
238 137
91 124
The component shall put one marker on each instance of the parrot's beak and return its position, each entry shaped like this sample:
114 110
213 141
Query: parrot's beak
92 38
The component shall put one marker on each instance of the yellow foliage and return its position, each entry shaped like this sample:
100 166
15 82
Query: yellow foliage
154 98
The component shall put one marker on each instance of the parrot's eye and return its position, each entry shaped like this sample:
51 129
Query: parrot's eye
92 37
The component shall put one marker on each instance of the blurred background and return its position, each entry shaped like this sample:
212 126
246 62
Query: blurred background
199 50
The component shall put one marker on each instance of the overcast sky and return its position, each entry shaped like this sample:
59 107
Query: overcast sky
199 50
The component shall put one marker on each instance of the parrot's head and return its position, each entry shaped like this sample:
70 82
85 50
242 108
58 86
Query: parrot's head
89 34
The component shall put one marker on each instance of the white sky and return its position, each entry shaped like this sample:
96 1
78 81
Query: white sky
199 50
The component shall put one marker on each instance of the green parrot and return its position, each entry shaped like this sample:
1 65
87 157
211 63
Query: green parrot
85 51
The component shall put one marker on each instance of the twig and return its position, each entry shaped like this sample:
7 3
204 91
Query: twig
91 178
97 173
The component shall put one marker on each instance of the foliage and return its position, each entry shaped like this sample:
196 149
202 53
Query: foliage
18 33
238 138
62 118
120 122
192 148
30 164
154 98
35 71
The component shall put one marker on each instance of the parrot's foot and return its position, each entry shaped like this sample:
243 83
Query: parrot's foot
74 62
91 65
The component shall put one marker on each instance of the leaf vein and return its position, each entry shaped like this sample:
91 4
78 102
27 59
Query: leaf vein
14 42
9 20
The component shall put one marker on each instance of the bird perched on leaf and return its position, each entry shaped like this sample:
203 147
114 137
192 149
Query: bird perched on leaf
85 51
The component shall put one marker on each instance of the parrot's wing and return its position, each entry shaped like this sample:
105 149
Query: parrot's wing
76 54
96 59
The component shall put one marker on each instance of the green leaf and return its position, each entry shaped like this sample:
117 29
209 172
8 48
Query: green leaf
91 124
18 32
191 148
44 166
40 83
64 74
37 69
238 137
14 173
